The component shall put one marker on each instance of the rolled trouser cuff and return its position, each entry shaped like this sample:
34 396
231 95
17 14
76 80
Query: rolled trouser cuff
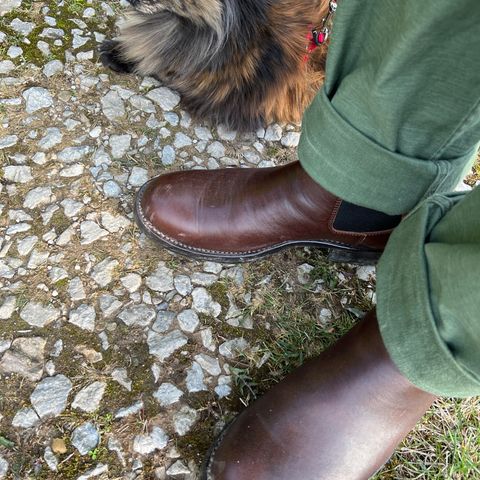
406 311
355 168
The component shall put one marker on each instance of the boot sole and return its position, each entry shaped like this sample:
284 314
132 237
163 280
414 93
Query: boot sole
337 252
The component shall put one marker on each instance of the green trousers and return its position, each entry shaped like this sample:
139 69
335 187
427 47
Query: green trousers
395 128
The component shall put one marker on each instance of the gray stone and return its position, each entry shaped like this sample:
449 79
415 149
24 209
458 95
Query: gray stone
183 285
103 272
17 173
19 26
171 118
53 33
131 410
37 315
162 346
74 170
167 394
85 438
366 273
37 197
115 223
57 273
145 444
98 470
83 317
8 5
138 177
137 315
182 140
161 280
223 388
88 399
52 68
232 348
163 321
112 106
207 339
209 364
216 150
184 420
37 259
24 357
194 380
273 133
303 273
203 279
188 320
111 189
50 459
168 155
3 462
9 140
73 154
120 375
91 232
178 469
290 139
37 98
120 144
71 207
53 136
109 305
166 98
49 398
24 246
131 282
14 51
4 345
141 103
203 302
25 418
8 307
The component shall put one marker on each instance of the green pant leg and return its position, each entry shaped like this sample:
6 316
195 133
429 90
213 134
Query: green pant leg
428 291
399 116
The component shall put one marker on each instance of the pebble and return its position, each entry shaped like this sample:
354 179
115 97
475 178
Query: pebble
38 315
273 133
156 440
209 364
83 317
161 280
37 197
53 136
168 155
9 140
25 418
25 357
131 410
8 5
58 446
37 98
194 380
52 68
88 399
49 398
188 320
112 106
163 96
138 177
17 173
203 302
290 139
162 346
178 469
50 459
163 321
167 394
137 315
120 375
184 420
120 144
19 26
91 232
7 308
366 273
85 438
3 464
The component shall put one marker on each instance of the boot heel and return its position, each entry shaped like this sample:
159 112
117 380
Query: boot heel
353 256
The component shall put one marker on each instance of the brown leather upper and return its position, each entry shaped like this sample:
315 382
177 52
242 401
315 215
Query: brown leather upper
246 209
338 417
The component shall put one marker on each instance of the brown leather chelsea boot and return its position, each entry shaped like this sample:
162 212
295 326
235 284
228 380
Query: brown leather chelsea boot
338 417
242 214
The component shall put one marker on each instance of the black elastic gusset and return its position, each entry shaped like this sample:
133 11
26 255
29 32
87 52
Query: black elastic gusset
353 218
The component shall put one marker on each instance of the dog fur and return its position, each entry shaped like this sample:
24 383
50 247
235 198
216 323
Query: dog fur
240 63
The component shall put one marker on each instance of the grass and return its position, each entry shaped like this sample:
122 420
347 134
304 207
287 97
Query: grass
444 445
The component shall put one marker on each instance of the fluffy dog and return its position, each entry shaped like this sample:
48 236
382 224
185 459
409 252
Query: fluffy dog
242 63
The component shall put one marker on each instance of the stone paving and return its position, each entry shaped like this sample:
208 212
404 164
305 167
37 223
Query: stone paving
115 356
111 350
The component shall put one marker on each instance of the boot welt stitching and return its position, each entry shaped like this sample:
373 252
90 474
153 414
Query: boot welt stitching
152 227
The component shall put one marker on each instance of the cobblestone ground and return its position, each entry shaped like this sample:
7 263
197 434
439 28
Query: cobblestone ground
118 359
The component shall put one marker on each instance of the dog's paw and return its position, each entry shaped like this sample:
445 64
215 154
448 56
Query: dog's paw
109 55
